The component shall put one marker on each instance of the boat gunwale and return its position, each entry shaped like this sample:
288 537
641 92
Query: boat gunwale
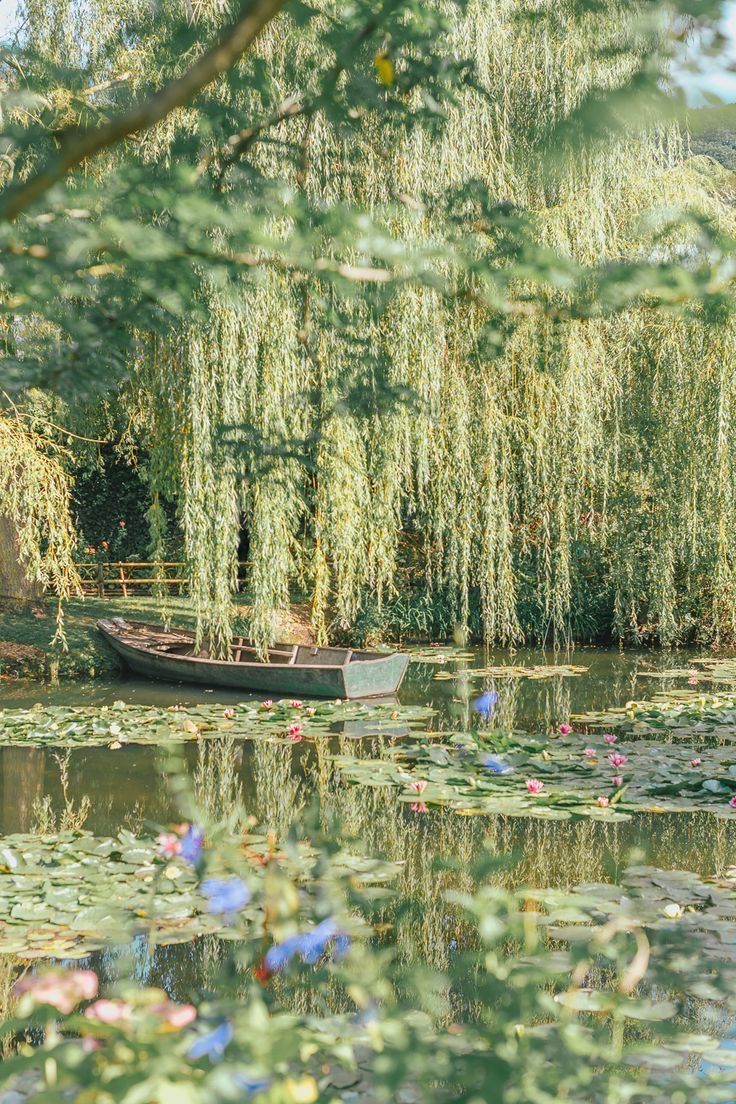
201 660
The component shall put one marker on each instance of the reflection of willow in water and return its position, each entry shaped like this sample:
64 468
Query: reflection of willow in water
547 701
532 704
11 969
276 795
552 702
440 849
218 788
181 969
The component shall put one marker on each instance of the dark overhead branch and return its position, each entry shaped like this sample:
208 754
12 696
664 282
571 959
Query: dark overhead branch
78 145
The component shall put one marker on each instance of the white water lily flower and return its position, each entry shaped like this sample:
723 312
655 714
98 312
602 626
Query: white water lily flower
672 911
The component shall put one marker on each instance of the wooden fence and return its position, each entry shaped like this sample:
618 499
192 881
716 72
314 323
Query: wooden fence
131 577
135 577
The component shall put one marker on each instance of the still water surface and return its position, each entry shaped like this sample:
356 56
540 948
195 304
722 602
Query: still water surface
126 790
277 781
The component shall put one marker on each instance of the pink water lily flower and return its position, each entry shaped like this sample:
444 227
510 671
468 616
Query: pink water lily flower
419 786
603 801
175 1016
617 759
294 731
109 1011
266 704
609 737
589 753
695 762
617 781
693 672
565 729
692 682
534 786
168 844
418 807
228 714
732 803
296 704
62 989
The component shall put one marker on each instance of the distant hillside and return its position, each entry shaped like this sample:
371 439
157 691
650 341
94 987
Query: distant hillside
713 132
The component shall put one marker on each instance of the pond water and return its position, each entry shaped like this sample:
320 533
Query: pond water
126 789
276 782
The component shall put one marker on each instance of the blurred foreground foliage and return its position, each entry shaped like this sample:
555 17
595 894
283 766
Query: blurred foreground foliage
317 992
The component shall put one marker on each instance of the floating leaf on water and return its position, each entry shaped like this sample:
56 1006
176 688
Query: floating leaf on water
86 726
535 673
66 902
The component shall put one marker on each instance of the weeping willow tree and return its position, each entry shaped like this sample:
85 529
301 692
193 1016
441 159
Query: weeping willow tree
561 470
36 531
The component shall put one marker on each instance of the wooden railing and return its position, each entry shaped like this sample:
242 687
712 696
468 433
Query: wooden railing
130 577
135 576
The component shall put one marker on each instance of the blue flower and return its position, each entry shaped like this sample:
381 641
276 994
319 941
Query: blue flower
212 1045
251 1086
343 943
281 954
310 946
191 844
314 943
486 703
367 1017
496 766
225 895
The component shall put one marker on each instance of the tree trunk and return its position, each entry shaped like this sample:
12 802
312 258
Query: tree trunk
14 582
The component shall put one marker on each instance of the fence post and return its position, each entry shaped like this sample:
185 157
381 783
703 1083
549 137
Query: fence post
100 581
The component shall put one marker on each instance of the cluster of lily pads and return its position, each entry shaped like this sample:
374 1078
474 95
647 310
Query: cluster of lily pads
558 775
545 988
65 895
718 669
118 725
685 715
534 672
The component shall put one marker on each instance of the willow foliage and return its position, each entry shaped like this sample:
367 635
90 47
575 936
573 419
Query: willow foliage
35 501
572 465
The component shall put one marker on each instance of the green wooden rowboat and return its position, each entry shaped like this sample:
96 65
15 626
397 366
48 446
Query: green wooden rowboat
296 669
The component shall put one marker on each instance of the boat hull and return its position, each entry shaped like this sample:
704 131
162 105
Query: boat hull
359 679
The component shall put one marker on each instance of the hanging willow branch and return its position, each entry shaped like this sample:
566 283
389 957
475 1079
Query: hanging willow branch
561 476
77 146
35 497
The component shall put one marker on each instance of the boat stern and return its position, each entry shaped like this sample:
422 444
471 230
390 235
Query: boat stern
375 678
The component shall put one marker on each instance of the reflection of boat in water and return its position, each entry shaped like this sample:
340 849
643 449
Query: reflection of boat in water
298 669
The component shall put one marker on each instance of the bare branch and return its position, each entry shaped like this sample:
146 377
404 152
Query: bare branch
291 107
114 82
78 145
239 143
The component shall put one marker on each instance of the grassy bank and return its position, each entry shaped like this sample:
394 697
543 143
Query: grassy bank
26 636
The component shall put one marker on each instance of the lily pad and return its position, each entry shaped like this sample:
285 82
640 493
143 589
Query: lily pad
535 672
553 777
72 893
118 725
